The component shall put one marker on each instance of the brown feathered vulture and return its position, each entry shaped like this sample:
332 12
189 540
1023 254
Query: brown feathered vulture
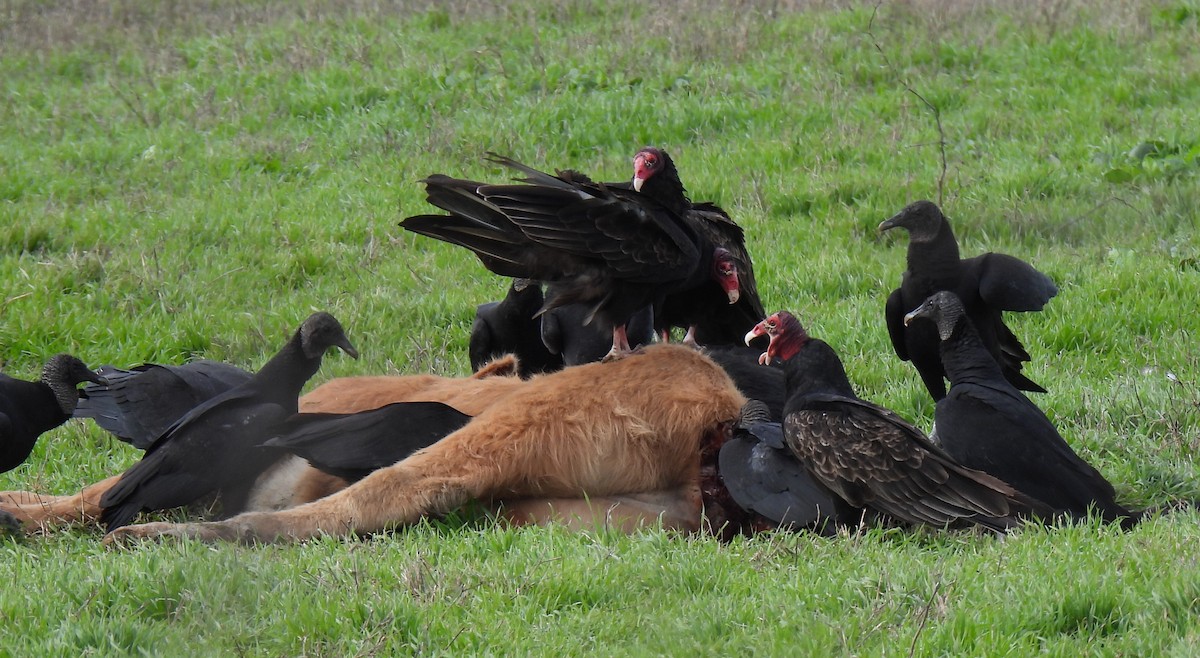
615 250
867 454
700 310
987 285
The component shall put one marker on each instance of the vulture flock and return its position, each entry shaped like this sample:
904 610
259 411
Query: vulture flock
599 271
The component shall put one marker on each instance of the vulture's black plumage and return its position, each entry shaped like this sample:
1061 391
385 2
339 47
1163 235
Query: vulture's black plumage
987 285
510 326
353 445
765 478
701 311
567 334
28 409
987 424
138 405
615 250
868 455
215 446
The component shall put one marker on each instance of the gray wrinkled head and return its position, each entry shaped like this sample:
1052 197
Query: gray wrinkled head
63 373
944 309
322 331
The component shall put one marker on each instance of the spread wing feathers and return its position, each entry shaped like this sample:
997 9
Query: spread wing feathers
352 445
138 405
875 459
547 233
1011 284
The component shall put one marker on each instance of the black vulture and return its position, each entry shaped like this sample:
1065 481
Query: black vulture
215 446
28 409
509 326
987 424
566 333
987 285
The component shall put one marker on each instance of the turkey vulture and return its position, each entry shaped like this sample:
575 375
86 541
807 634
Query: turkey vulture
138 405
27 409
510 327
615 250
868 455
351 445
987 424
986 284
700 311
214 447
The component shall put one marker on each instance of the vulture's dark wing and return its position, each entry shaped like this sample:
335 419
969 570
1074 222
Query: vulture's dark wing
873 458
353 445
138 405
893 313
1010 438
1010 284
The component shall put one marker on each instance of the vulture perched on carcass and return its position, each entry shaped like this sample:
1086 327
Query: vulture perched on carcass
700 311
613 249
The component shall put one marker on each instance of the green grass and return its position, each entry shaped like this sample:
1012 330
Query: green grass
191 180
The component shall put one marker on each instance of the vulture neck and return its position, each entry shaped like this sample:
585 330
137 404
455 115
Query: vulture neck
816 368
936 257
284 376
966 359
666 188
47 412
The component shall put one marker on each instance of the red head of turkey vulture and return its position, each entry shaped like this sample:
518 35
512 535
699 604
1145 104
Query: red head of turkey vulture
707 321
615 250
868 455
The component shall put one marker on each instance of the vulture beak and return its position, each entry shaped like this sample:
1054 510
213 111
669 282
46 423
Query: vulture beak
914 314
637 183
887 224
734 295
348 348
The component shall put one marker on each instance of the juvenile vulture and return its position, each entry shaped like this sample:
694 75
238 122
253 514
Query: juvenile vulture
868 455
987 285
215 446
138 405
615 250
700 311
28 409
987 424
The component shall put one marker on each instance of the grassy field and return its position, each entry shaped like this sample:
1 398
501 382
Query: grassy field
183 180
